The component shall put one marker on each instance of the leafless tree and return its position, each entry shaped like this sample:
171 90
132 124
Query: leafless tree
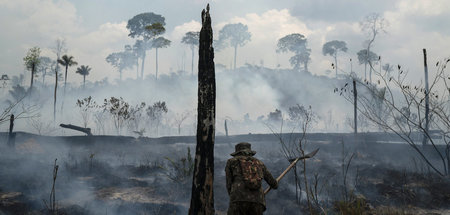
40 126
100 121
134 124
403 108
373 24
19 109
179 119
292 147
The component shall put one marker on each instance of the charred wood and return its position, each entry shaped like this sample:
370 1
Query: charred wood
87 131
202 196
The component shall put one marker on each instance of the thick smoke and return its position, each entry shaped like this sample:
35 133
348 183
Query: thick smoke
245 98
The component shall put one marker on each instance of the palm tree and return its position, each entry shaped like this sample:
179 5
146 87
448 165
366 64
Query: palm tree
66 61
84 71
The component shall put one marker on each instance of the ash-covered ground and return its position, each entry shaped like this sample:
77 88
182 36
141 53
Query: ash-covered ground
125 175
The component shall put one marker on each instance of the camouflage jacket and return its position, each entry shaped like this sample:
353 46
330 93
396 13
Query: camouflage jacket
235 185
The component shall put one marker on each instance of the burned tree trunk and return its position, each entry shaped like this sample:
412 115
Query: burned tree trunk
427 103
54 96
87 131
202 197
11 135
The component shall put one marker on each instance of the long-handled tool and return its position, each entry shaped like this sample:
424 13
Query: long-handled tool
310 155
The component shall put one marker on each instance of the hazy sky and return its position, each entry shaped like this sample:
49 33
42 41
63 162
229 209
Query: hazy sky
95 28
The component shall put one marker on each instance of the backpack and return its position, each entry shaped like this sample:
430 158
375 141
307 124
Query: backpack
252 172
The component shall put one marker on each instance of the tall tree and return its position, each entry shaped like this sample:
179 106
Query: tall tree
365 58
66 61
297 44
373 24
144 26
191 39
59 49
234 35
158 43
31 61
202 198
84 71
332 48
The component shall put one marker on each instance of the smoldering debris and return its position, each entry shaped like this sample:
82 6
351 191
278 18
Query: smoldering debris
125 176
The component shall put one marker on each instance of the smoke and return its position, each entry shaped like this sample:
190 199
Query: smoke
245 97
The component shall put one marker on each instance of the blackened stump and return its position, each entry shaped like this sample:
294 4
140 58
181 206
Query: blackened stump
202 198
11 134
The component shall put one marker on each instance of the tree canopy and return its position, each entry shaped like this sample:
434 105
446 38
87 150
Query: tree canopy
295 43
121 60
67 61
160 42
138 25
154 30
31 61
332 47
365 58
234 35
32 58
191 38
83 70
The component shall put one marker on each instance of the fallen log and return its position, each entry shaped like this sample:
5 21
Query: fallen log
87 131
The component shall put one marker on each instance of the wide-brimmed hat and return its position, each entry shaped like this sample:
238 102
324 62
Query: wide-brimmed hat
243 148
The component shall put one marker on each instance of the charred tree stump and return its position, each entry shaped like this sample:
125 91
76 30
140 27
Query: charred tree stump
427 101
11 134
202 197
87 131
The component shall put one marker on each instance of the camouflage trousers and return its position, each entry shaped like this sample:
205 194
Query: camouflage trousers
245 208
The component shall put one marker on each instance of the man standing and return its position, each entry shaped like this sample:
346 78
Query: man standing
244 174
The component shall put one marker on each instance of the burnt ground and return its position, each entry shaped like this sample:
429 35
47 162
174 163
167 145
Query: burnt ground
124 175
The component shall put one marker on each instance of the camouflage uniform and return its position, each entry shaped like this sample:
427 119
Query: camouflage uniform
242 199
